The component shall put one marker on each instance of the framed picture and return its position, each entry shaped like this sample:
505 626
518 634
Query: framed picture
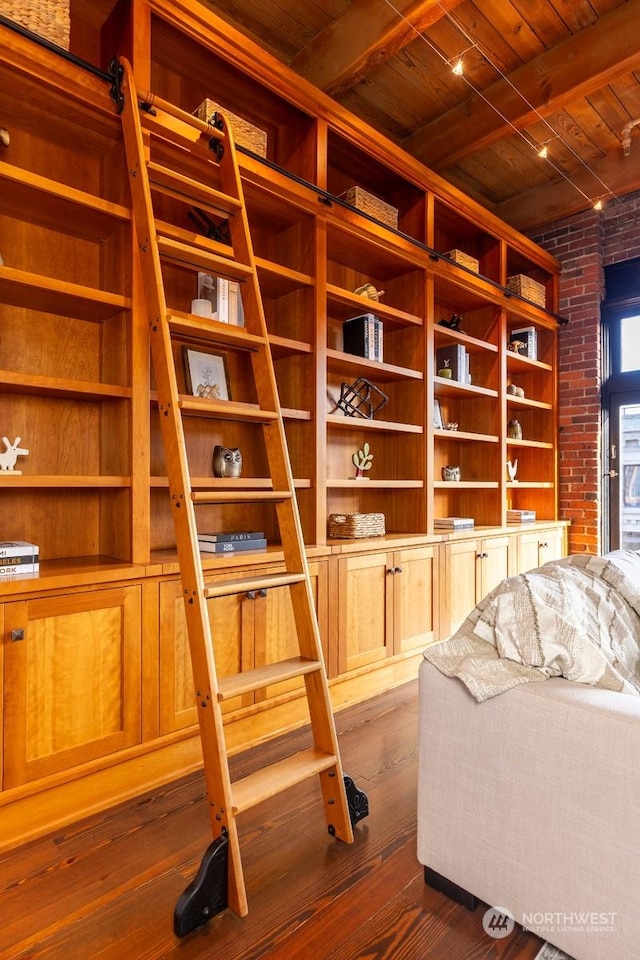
437 415
206 374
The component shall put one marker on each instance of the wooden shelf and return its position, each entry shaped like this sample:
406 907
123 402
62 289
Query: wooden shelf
41 386
465 436
527 403
466 485
349 364
530 485
473 345
230 484
348 484
63 481
452 388
35 292
358 304
538 444
358 423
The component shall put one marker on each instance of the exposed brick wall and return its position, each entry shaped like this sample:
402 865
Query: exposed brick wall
585 244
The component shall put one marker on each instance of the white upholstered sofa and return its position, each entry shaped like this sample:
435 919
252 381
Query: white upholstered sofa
530 801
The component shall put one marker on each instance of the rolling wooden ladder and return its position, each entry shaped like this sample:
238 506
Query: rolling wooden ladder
171 154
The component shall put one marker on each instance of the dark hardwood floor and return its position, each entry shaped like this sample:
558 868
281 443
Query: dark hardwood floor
106 887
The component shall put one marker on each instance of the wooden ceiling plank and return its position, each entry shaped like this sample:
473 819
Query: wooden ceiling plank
366 35
555 202
573 69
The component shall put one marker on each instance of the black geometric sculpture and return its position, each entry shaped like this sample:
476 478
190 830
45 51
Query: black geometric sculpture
361 399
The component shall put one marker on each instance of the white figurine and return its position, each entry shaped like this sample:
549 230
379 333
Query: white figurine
512 469
10 455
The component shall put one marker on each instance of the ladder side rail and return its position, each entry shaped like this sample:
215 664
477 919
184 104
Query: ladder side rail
200 639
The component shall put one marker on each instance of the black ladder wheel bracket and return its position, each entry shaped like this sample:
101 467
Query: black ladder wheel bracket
206 895
357 801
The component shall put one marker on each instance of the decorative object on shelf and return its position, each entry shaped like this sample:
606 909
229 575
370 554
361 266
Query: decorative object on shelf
516 346
372 205
368 290
10 455
455 358
437 414
208 227
528 288
202 308
453 523
5 137
362 460
515 391
464 260
48 18
528 338
18 558
361 399
206 374
514 430
453 323
245 134
363 337
451 425
227 461
451 473
350 526
512 469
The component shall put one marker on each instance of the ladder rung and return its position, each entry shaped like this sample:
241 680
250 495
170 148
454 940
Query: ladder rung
279 777
240 496
176 185
261 677
171 230
226 410
231 587
188 119
189 326
193 256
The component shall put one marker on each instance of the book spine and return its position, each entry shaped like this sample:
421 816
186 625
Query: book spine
18 571
231 547
234 295
231 537
19 550
19 561
378 349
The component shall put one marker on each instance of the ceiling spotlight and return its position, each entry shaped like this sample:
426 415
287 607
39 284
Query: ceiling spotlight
598 205
543 151
457 67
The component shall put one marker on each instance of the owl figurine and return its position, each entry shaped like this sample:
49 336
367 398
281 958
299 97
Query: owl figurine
227 462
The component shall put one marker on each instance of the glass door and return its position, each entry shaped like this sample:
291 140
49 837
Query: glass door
624 471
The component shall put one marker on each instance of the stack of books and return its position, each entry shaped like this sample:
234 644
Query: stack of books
232 542
455 358
521 516
453 523
17 558
363 336
224 296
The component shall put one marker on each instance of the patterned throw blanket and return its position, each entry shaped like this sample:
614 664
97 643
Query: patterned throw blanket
577 618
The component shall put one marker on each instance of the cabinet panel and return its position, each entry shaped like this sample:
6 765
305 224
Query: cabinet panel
414 592
365 611
232 618
538 547
72 681
473 569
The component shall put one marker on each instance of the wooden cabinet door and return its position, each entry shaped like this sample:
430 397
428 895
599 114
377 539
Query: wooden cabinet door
232 624
459 587
365 610
494 566
275 628
414 592
538 547
71 681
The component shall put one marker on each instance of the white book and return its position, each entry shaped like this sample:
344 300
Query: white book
18 548
222 299
14 572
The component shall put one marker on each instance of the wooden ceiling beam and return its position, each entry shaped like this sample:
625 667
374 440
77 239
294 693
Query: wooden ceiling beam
365 36
576 67
559 200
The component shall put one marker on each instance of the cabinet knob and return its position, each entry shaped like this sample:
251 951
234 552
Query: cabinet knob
398 570
17 634
391 570
544 545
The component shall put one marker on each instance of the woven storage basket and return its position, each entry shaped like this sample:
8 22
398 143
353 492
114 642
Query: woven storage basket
528 288
348 526
464 260
374 206
245 133
47 18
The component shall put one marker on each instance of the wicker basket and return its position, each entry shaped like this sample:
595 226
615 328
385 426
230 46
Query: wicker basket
348 526
246 134
47 18
464 260
528 288
374 206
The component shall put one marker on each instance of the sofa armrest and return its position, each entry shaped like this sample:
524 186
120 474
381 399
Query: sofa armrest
530 801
